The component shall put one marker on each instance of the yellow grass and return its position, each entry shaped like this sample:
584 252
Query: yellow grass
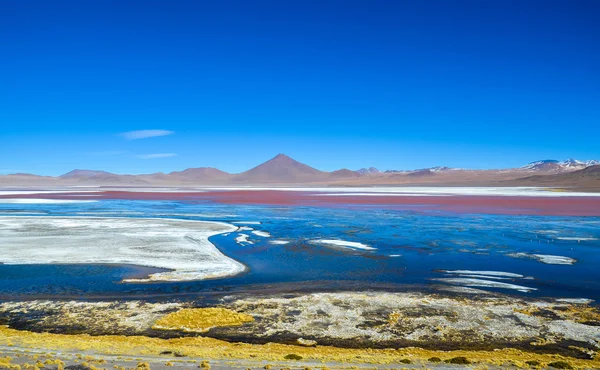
201 347
201 319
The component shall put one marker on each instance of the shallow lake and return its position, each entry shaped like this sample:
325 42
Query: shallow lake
394 250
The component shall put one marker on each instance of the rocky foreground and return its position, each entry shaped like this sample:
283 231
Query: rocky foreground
366 327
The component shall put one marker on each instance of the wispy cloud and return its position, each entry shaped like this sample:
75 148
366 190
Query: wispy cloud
144 134
156 155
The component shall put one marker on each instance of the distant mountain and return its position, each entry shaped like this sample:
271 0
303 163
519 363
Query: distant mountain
208 174
420 173
576 164
431 169
78 174
281 169
344 174
20 179
439 169
368 171
588 178
434 169
551 165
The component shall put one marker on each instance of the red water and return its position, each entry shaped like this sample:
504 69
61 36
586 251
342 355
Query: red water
559 206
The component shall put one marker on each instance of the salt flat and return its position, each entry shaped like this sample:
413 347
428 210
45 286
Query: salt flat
42 201
181 246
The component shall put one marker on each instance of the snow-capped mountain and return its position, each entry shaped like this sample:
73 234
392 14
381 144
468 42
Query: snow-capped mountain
578 165
551 165
430 169
368 171
439 169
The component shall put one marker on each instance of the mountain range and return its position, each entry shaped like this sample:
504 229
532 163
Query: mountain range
283 170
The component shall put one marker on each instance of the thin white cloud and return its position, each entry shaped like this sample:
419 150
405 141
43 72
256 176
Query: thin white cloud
144 134
156 155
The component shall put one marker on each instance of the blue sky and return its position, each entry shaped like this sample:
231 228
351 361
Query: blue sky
392 84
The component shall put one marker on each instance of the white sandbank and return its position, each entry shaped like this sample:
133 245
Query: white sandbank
343 243
246 222
178 245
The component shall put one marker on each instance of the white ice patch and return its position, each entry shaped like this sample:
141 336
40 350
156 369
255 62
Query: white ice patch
575 238
243 238
104 213
470 282
343 243
42 201
485 273
545 258
554 260
181 246
245 228
247 222
264 234
395 255
279 242
483 277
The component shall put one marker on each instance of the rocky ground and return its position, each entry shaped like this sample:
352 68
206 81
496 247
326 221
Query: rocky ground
359 321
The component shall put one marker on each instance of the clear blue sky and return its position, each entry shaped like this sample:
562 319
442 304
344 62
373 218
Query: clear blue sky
394 84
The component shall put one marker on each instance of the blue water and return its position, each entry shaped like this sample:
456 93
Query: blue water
427 242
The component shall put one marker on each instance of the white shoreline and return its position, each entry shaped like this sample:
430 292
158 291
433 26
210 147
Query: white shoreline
42 201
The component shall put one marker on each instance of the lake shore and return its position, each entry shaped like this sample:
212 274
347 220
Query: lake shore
366 327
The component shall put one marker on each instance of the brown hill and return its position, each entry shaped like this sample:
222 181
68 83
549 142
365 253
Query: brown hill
281 169
207 175
81 174
587 178
20 179
344 174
